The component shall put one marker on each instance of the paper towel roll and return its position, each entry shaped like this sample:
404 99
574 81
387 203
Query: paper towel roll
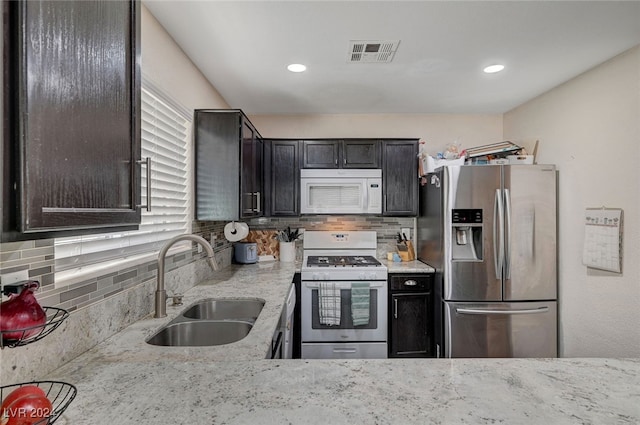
236 231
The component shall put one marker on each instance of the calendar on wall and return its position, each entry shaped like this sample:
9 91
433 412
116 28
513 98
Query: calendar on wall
603 239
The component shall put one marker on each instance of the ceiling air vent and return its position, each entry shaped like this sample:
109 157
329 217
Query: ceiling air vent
372 51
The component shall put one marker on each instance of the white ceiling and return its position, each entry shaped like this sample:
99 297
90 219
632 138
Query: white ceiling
243 48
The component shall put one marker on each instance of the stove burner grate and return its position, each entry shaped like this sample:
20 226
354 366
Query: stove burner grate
342 261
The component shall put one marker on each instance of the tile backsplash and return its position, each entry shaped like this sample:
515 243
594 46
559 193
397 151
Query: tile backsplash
386 228
37 257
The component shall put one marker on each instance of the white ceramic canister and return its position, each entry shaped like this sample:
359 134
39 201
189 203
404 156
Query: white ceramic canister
287 252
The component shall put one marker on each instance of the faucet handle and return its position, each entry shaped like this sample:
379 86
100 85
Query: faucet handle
176 299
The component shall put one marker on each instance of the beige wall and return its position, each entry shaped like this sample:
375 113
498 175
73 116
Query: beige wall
168 67
590 128
437 130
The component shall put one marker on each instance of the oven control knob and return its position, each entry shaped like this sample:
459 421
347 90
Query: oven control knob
315 276
372 276
326 276
362 276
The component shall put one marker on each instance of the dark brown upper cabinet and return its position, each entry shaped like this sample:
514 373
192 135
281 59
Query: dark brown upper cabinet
229 157
321 153
251 200
282 159
361 153
400 177
71 121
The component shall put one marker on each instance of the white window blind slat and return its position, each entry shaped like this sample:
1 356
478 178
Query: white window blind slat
165 131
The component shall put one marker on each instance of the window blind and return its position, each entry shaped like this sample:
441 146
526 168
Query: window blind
165 130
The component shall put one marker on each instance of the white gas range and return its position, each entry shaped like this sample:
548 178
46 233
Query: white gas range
343 296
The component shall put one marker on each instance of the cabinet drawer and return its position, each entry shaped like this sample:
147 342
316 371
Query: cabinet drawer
356 350
413 283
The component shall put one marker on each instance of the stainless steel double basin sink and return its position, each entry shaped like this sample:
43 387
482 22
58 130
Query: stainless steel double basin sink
210 322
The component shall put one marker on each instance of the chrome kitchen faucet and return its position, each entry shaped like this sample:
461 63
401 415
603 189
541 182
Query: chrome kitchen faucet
161 293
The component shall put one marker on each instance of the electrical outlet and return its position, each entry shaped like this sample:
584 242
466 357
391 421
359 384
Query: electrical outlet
406 231
9 278
199 248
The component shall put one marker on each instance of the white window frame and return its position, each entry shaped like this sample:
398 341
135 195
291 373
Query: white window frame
121 254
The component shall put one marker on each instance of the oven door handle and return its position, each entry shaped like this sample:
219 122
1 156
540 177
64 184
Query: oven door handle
345 285
345 350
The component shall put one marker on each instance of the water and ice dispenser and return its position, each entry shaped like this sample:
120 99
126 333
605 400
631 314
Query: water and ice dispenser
466 235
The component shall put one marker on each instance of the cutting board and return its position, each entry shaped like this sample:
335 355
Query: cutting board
265 242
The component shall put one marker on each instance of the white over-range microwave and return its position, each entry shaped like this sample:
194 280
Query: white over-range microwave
341 191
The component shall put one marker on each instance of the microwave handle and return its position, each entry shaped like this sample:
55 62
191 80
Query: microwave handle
366 196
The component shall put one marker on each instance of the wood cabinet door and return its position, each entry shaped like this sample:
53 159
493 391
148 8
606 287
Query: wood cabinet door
251 176
321 153
285 178
361 154
410 325
217 137
400 177
73 115
247 177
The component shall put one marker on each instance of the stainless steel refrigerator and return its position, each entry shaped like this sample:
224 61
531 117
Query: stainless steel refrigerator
490 233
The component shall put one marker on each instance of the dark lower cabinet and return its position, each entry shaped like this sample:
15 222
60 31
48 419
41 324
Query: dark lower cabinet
71 127
400 177
411 318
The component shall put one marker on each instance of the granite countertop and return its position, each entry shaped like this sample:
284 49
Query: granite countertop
126 381
269 282
414 266
406 391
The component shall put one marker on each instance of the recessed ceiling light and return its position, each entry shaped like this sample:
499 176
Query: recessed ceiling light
493 69
296 67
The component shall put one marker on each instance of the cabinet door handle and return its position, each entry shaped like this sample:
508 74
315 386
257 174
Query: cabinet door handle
257 208
410 282
345 161
395 308
336 161
147 163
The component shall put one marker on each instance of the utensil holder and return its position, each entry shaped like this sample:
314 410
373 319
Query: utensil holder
287 252
409 253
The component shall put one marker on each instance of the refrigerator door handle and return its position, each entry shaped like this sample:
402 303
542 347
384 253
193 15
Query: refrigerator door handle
488 311
507 234
498 236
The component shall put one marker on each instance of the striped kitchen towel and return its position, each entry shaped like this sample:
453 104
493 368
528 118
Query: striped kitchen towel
360 303
329 303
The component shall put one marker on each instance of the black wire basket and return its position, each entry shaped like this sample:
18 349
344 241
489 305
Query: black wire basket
55 317
60 394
